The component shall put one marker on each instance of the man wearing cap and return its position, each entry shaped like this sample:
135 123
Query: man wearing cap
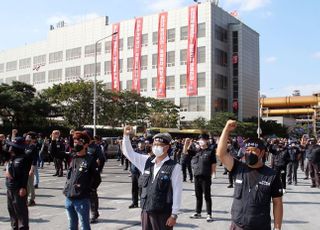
255 185
83 176
16 174
161 182
31 154
204 165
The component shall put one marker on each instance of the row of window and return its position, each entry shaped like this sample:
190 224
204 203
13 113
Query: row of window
89 50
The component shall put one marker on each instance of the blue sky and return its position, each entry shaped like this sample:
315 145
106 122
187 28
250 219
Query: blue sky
289 31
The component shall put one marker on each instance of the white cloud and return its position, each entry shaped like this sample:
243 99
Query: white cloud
71 19
159 5
271 59
305 90
245 5
316 55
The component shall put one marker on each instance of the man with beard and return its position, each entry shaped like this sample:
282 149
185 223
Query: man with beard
255 185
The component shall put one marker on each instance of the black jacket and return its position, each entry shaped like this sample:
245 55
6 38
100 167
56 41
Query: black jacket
83 176
57 149
18 168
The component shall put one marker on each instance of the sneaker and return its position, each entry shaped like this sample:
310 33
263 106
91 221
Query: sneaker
306 178
56 174
289 183
36 186
283 191
133 206
196 216
230 186
312 186
214 176
94 219
295 183
209 218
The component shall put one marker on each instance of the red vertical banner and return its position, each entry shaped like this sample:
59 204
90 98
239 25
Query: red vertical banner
192 53
136 70
115 68
162 54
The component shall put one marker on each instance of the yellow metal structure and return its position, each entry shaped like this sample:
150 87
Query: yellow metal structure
299 111
293 101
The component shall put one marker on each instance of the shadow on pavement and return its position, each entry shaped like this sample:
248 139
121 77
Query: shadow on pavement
114 198
51 205
300 202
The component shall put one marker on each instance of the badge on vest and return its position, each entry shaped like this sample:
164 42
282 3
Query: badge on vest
238 181
147 172
264 183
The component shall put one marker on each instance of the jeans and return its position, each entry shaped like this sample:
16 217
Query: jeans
78 209
36 176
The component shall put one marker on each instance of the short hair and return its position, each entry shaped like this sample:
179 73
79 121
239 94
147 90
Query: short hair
82 136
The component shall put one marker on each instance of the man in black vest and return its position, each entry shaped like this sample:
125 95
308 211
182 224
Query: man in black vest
57 151
292 168
161 182
255 185
204 165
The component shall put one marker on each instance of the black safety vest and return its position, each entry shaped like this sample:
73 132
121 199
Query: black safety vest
156 195
251 205
201 163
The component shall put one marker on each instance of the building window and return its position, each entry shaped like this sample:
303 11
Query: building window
130 42
55 57
154 61
120 65
201 30
39 78
155 38
73 73
221 34
74 53
1 67
221 81
221 57
26 78
107 47
129 85
170 82
108 86
24 63
170 58
184 33
183 81
88 70
192 104
201 80
39 61
202 54
171 34
55 75
221 105
144 40
12 65
183 57
121 44
144 62
143 85
9 80
89 50
129 64
107 67
154 83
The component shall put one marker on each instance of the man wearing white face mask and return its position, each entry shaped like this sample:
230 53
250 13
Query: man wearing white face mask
161 181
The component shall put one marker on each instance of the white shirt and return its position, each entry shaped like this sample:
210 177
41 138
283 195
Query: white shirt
140 160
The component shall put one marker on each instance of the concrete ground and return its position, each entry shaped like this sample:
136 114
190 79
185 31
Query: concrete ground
301 203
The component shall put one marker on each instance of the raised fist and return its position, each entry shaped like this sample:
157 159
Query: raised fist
127 130
230 125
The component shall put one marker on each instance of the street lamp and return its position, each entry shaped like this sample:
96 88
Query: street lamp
259 115
136 103
95 83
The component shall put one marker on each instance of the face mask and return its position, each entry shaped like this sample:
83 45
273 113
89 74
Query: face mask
78 148
157 150
251 158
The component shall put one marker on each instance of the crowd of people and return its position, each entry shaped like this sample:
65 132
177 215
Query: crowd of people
257 169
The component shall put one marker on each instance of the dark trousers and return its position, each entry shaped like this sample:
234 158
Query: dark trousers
292 169
18 210
314 173
151 221
135 188
125 161
186 166
58 164
94 203
281 171
202 185
230 177
236 227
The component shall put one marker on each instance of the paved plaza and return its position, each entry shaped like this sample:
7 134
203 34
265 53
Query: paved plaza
301 203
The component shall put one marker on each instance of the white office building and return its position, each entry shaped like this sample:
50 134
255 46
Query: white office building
227 60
